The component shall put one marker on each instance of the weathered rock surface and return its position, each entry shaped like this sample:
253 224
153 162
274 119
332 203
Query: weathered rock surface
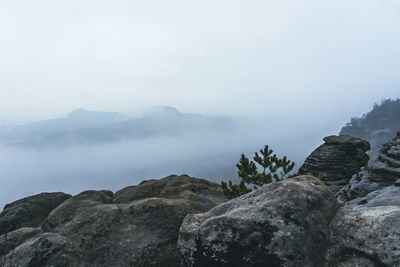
15 238
383 170
198 191
137 226
47 249
366 231
386 165
30 211
279 224
339 158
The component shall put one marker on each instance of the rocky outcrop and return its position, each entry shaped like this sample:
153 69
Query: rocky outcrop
200 192
296 222
136 226
339 158
279 224
386 165
30 211
383 170
366 231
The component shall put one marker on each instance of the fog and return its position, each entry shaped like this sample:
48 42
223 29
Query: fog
111 166
291 71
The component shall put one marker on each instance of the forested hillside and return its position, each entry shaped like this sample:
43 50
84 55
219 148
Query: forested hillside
377 126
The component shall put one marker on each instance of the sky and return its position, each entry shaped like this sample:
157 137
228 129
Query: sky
322 60
306 67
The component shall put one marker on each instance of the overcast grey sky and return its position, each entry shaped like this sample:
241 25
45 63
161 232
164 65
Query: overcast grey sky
324 59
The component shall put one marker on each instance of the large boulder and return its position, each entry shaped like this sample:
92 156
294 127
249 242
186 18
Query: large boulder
199 191
136 226
339 158
30 211
279 224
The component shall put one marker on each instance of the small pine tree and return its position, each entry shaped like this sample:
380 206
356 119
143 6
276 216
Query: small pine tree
249 173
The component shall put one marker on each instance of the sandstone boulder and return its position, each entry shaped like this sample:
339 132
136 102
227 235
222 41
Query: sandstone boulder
30 211
279 224
136 226
200 191
339 158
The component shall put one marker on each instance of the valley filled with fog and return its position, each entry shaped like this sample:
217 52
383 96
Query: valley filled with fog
102 150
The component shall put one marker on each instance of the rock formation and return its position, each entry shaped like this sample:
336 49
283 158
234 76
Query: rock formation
383 170
279 224
365 232
30 211
296 223
136 226
339 158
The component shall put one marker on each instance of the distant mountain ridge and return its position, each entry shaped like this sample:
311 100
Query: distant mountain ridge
378 126
90 127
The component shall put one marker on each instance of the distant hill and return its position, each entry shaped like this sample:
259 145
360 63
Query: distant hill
378 126
82 127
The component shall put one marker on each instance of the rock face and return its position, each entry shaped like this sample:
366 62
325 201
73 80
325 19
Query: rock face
387 163
383 170
15 238
339 158
366 231
296 222
30 211
136 226
279 224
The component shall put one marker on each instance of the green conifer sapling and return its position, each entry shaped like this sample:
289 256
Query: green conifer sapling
249 173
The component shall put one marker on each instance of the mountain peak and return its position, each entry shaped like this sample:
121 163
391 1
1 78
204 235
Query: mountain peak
162 110
80 112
